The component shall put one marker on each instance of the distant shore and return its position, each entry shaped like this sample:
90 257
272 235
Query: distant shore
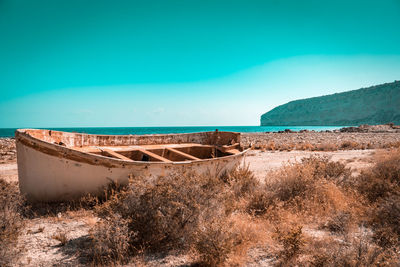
9 132
348 138
320 141
361 137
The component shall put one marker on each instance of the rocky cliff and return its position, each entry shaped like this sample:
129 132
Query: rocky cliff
373 105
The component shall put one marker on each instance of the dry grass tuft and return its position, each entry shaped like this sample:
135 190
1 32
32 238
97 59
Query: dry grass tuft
11 222
346 145
242 181
110 241
292 241
356 251
383 180
326 147
339 222
385 218
61 237
215 241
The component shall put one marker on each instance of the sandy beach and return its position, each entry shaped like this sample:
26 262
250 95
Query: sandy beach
42 249
264 158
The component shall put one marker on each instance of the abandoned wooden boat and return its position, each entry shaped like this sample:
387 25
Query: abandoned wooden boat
56 166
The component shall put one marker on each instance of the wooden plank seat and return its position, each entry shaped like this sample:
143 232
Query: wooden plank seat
112 153
231 149
96 149
115 151
185 155
115 154
154 156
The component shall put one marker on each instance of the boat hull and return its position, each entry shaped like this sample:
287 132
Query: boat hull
55 173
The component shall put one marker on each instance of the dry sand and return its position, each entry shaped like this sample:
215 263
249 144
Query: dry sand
41 249
259 162
262 162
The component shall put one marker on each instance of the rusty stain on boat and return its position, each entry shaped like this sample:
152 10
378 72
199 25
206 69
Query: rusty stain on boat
56 166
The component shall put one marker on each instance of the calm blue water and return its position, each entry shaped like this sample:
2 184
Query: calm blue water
9 132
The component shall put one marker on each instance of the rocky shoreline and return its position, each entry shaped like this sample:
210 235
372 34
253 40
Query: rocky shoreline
323 141
362 137
8 150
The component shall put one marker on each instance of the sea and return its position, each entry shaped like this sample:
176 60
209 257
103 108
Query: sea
9 132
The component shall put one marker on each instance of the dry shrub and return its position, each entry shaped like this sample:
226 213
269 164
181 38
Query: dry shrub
111 239
373 187
304 146
338 222
52 209
270 146
379 191
201 214
383 179
357 251
350 145
292 241
241 181
320 192
286 147
385 218
218 239
297 185
10 222
322 167
306 192
260 202
294 182
326 147
181 211
388 166
391 145
165 212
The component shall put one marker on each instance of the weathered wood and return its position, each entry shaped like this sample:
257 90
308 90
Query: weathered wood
41 158
232 149
185 155
115 154
155 156
97 149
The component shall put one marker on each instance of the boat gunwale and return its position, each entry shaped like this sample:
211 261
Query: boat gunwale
94 159
122 135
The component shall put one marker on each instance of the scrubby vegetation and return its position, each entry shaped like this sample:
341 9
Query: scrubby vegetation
310 213
345 108
181 211
324 146
10 222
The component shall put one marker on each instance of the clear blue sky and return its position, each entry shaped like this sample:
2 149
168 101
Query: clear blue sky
159 63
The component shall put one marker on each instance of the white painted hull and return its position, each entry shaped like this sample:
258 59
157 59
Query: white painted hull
49 172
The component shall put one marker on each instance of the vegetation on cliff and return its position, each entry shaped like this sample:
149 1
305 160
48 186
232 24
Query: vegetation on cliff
373 105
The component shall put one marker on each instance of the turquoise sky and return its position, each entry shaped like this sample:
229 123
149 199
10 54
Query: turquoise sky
170 63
